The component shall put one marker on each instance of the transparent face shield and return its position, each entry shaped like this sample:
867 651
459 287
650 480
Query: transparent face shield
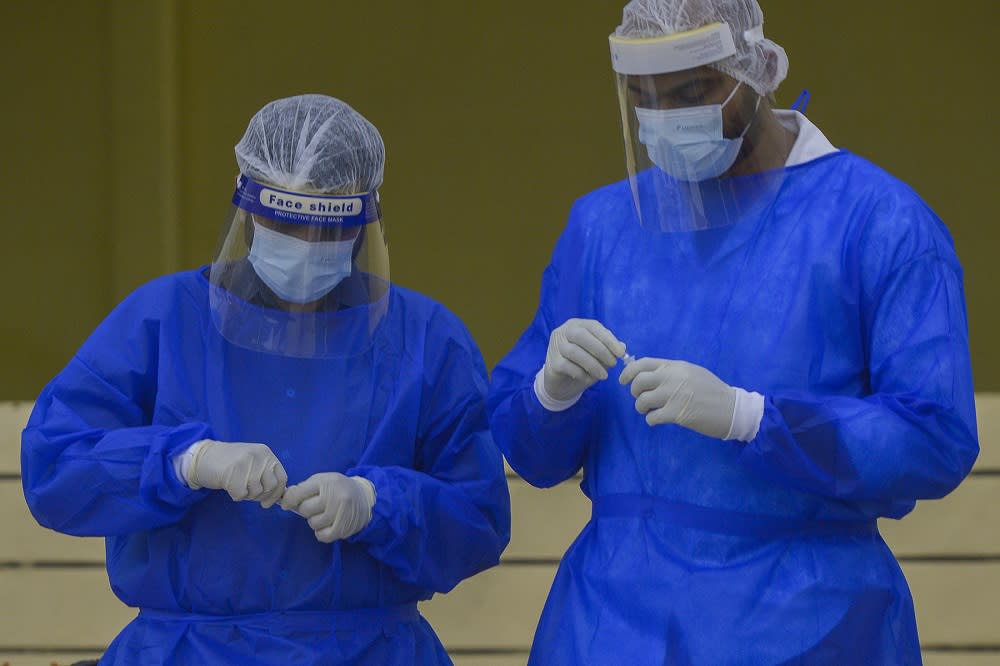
693 158
300 274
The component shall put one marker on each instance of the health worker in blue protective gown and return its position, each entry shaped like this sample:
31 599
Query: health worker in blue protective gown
754 347
347 413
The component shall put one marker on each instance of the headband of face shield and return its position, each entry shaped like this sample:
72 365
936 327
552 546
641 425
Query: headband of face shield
689 26
300 274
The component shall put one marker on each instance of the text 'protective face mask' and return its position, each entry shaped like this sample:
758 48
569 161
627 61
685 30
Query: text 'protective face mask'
297 270
689 143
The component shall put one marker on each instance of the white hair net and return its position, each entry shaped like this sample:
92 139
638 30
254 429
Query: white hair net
312 143
656 18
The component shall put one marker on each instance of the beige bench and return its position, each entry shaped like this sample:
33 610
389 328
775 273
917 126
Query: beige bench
57 606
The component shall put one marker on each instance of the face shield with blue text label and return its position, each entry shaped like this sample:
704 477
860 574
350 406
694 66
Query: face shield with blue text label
300 274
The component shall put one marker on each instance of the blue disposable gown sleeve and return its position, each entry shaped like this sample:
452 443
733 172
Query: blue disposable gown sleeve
92 464
544 447
448 518
914 435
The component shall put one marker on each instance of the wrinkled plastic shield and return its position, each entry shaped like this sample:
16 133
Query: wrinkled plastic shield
300 274
673 195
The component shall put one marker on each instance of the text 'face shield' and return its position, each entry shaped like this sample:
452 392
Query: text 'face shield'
300 274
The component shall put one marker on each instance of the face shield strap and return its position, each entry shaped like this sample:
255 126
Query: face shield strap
672 53
312 209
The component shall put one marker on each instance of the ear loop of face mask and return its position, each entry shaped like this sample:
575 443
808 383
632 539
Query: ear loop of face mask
723 105
753 119
732 92
726 101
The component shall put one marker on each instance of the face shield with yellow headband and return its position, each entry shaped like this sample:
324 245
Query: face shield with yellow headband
693 158
300 274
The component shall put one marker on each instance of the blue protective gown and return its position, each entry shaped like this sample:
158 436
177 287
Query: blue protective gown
223 582
842 303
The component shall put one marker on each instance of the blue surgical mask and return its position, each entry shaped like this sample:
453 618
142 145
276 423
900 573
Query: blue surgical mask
299 271
688 143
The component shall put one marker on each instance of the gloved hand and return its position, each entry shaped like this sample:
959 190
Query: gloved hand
335 505
579 354
245 471
682 393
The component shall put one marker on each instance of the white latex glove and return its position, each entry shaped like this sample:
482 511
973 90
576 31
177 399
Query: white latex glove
691 396
335 505
579 354
246 471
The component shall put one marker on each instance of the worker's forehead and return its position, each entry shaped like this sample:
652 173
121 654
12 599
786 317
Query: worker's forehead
668 80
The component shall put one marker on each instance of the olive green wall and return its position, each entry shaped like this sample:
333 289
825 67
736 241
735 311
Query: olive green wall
119 119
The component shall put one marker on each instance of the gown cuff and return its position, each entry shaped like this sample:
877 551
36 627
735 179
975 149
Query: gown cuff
748 410
182 462
385 520
548 402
